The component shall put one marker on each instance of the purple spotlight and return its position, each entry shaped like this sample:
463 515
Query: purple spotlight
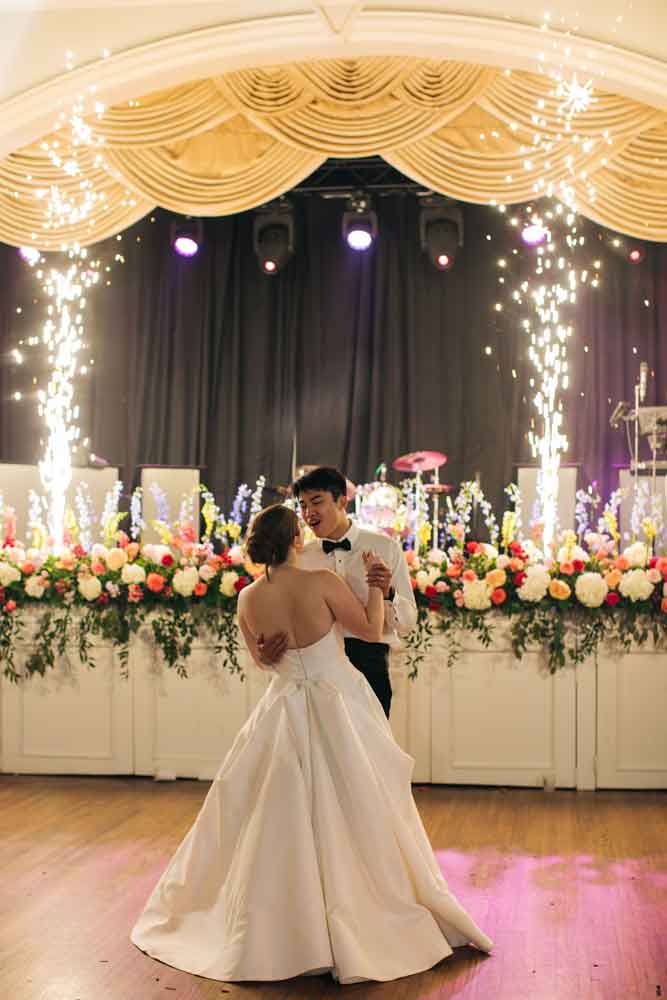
186 246
359 238
30 255
533 234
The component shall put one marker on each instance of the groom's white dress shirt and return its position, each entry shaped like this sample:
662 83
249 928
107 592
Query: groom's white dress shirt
400 615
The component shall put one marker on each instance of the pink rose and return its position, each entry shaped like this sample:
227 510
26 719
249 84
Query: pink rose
503 561
155 582
97 567
10 606
654 575
200 589
458 598
567 568
469 575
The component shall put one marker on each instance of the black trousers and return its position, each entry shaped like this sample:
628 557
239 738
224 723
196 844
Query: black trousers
372 659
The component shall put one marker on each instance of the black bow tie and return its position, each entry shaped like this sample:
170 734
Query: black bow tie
329 546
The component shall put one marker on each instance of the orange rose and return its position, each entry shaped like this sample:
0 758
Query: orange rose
132 550
155 582
28 568
663 605
662 565
454 569
200 589
516 565
613 578
567 568
499 596
469 575
97 567
621 563
559 590
496 578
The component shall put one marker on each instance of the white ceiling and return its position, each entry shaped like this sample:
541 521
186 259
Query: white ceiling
155 43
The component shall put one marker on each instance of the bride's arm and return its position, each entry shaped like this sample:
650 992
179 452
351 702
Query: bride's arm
366 623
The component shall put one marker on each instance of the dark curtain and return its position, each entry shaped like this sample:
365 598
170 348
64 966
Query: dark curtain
362 357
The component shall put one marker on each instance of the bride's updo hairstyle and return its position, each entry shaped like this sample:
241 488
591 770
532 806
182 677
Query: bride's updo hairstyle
272 532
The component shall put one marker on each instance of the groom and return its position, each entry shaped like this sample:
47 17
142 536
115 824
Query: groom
339 546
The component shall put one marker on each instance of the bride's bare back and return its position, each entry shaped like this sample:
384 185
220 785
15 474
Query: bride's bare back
304 604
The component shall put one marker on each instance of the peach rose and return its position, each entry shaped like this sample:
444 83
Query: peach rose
663 605
621 563
458 598
469 575
454 569
654 575
97 567
516 565
155 582
116 559
409 556
496 578
559 590
613 578
132 550
567 568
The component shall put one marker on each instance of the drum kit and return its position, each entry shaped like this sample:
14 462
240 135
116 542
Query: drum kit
379 503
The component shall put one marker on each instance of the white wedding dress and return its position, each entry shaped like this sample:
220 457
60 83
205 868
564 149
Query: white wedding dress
308 854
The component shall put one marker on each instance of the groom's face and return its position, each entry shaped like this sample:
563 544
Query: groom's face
324 515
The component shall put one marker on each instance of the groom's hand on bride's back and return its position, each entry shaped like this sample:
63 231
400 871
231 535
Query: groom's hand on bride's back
272 648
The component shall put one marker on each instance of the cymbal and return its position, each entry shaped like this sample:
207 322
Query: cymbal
438 488
419 461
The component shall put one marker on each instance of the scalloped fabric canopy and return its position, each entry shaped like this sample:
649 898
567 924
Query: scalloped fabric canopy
230 143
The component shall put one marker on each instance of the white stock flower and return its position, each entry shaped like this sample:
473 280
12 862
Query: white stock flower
34 587
116 558
536 584
636 585
476 595
228 583
206 572
90 587
8 574
591 589
637 555
132 573
185 580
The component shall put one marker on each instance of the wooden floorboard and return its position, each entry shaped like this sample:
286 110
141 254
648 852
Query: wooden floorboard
571 886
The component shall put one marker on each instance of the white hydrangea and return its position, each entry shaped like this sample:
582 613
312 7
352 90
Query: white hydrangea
8 574
568 553
34 587
90 587
636 585
155 553
536 584
132 573
228 583
591 589
637 555
476 595
185 580
426 577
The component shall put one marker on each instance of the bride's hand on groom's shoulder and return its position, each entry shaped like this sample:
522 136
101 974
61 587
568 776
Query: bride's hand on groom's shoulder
272 648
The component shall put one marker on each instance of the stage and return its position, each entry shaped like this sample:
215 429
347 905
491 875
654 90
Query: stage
570 886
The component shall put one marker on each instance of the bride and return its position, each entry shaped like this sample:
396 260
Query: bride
308 854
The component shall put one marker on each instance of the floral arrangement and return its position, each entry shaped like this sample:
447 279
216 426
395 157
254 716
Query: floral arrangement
110 589
586 591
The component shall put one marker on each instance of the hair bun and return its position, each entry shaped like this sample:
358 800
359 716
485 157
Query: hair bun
272 532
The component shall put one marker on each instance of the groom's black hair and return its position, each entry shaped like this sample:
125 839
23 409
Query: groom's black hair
323 478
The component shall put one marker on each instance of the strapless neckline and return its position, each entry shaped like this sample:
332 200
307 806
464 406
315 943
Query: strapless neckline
302 649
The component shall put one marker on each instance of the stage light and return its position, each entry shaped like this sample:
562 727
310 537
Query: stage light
359 224
273 236
187 237
440 231
636 255
30 255
533 234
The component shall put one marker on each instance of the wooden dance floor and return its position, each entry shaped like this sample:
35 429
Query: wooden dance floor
571 886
